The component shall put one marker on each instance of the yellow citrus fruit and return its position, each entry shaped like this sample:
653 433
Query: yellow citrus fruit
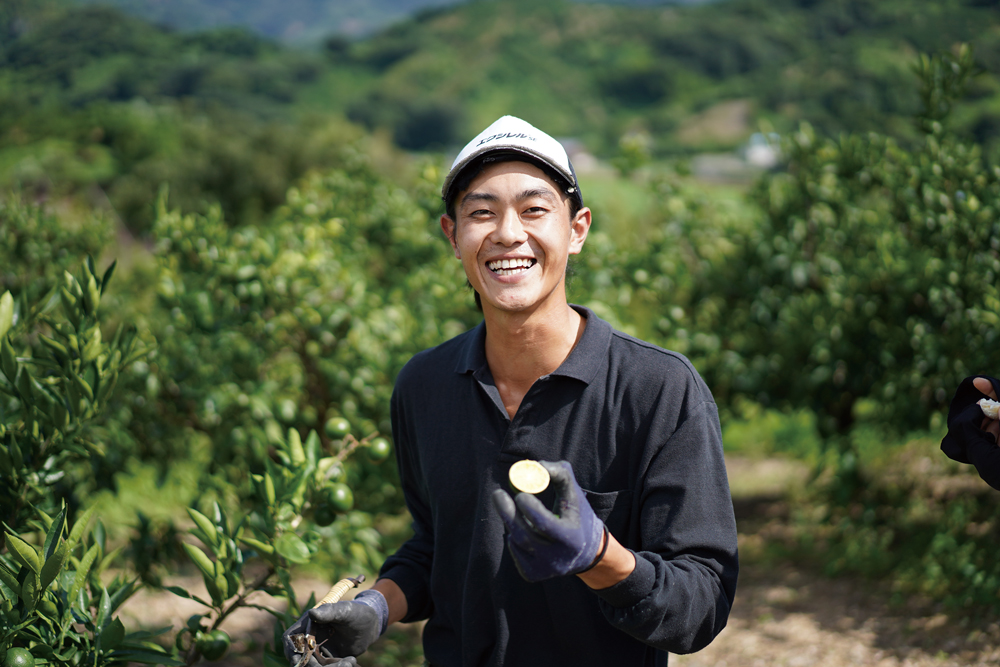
529 476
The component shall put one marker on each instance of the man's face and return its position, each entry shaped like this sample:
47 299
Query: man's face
514 235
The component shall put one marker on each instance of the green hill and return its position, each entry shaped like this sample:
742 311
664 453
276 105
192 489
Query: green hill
597 72
299 22
293 21
92 96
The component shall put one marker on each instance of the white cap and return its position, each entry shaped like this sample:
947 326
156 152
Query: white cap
517 136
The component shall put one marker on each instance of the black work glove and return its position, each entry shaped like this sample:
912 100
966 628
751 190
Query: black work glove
342 630
966 441
548 544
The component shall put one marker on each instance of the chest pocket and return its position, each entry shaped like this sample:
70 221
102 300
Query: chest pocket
614 509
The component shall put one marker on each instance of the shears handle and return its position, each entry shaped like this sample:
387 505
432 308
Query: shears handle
340 588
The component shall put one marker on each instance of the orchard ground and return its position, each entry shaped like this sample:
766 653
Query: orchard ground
785 614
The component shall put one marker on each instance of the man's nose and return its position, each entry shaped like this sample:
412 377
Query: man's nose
509 230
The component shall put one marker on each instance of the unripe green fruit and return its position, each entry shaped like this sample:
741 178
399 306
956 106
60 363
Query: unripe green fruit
337 427
324 515
378 450
48 609
213 645
340 497
19 657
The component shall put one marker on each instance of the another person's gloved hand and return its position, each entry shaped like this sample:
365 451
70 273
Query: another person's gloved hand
546 544
342 630
972 437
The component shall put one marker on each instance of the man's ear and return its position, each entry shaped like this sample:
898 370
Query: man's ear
448 227
579 227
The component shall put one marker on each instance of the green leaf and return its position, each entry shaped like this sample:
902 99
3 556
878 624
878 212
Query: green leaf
107 275
285 577
206 525
147 657
269 492
101 535
258 546
83 571
200 559
222 585
178 591
112 635
292 548
138 635
295 449
54 534
78 528
29 590
8 361
25 553
109 559
103 609
123 593
213 590
45 518
8 578
54 564
83 386
67 656
313 449
6 313
219 517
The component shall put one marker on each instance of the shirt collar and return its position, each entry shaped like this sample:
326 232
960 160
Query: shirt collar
583 361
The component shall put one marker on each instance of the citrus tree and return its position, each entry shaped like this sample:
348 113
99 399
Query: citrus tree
873 274
295 328
56 375
869 275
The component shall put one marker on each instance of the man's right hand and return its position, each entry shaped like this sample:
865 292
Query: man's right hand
342 630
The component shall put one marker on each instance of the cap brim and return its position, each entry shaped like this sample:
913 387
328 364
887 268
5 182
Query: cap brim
458 168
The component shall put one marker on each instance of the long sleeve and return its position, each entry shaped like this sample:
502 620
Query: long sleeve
410 566
680 594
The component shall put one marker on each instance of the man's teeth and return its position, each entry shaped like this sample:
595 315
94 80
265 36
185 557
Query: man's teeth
506 267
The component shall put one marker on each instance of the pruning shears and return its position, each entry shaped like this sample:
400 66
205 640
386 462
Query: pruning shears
305 643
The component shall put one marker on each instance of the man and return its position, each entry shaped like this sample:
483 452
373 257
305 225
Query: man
632 550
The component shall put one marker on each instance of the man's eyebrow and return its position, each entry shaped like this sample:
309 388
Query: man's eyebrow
536 192
479 196
526 194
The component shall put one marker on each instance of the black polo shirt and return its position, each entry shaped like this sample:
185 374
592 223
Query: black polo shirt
641 431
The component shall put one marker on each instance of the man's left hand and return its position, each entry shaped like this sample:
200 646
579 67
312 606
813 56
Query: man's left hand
548 544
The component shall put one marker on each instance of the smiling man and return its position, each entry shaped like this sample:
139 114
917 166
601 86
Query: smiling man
631 551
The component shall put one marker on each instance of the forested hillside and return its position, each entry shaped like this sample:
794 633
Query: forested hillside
297 22
597 72
90 96
303 22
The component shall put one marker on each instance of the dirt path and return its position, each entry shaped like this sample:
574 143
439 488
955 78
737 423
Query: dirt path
786 615
798 619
